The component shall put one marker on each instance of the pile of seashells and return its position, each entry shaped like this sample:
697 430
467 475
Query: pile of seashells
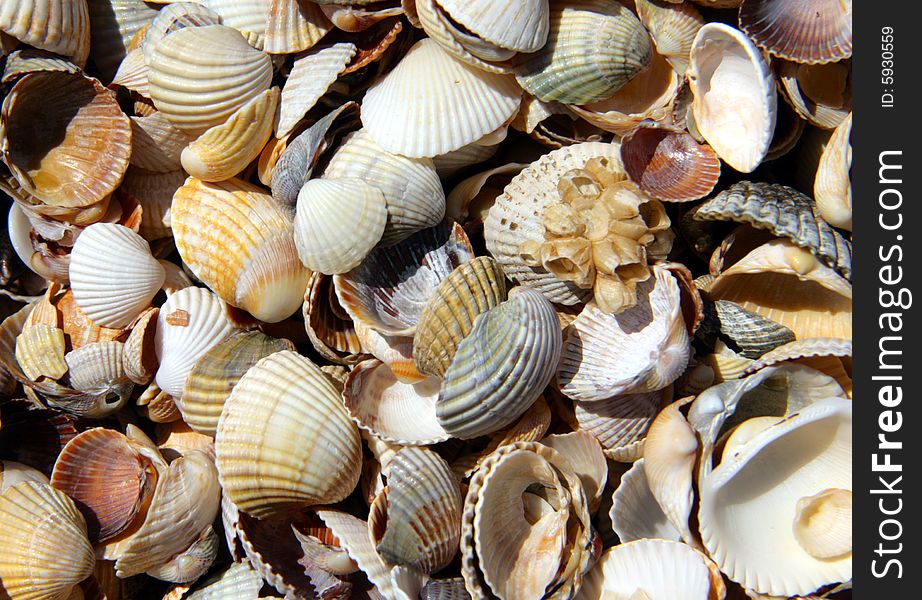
431 299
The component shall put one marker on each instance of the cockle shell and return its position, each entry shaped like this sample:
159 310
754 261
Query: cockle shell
815 32
820 94
751 334
132 74
29 60
668 164
98 369
172 18
293 26
329 328
12 472
238 580
263 274
59 26
584 455
832 187
673 27
193 562
249 17
309 79
40 351
620 423
734 95
459 41
154 193
44 550
156 145
519 26
113 24
635 513
284 439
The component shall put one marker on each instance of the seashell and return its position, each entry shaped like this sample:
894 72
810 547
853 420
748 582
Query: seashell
156 145
264 276
832 188
411 187
53 25
355 19
140 356
789 128
154 193
235 74
225 150
785 212
450 163
516 217
293 26
113 24
29 60
389 289
249 17
448 317
45 550
788 285
652 334
818 32
751 334
406 119
459 41
190 323
593 48
310 78
668 164
177 16
31 436
444 589
132 74
113 275
797 458
620 423
192 563
820 94
239 580
672 27
40 351
519 26
12 472
98 369
635 513
734 95
329 328
473 197
81 153
823 523
110 478
501 367
634 570
282 398
394 351
807 348
337 223
395 412
420 526
504 522
215 373
585 457
157 405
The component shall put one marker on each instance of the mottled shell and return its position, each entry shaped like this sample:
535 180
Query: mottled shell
673 27
807 32
669 165
284 439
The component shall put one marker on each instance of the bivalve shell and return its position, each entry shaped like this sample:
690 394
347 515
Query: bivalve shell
519 26
832 187
293 26
669 165
819 31
59 26
635 513
309 79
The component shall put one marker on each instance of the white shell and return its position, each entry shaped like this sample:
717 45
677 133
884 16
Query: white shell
310 77
513 24
635 514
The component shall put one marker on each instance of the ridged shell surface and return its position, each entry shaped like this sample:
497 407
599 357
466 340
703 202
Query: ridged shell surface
293 26
807 32
59 26
309 79
172 18
520 26
635 514
620 423
669 165
285 440
246 16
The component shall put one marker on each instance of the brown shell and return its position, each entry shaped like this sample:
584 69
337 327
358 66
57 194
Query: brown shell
819 31
669 164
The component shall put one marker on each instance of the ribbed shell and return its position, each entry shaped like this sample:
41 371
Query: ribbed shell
29 60
225 150
59 26
673 27
246 16
752 334
44 550
293 26
239 580
669 165
821 94
337 223
501 367
309 79
156 145
99 369
154 192
172 18
140 355
329 328
192 563
197 90
620 423
516 25
808 348
643 348
214 375
819 31
113 275
593 48
440 27
40 351
635 514
411 187
80 153
190 323
472 288
785 212
431 103
517 216
389 290
284 439
832 187
113 23
239 242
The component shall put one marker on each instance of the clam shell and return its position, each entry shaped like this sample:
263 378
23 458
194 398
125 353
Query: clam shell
132 74
414 121
337 223
225 150
140 355
832 187
293 26
154 192
329 328
192 563
156 145
635 513
585 457
82 151
501 367
820 94
411 187
818 32
196 91
99 369
517 214
785 212
12 472
641 349
29 60
40 351
239 242
734 95
239 580
59 26
593 48
458 41
310 78
519 26
471 289
45 550
157 405
669 165
113 275
389 289
284 439
620 423
112 25
172 18
394 351
190 323
215 374
751 334
673 27
249 17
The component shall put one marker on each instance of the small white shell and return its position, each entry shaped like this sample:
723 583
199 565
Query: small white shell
310 77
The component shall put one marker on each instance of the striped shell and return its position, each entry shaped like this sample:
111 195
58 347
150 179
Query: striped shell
59 26
819 31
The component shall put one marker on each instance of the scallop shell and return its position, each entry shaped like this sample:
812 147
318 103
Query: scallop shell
594 363
98 369
501 367
785 212
82 150
215 374
154 192
40 351
411 187
459 41
293 26
832 187
156 145
263 274
817 32
593 48
249 17
635 513
458 105
45 550
519 26
59 26
225 150
734 95
190 323
620 423
196 91
172 18
337 223
471 289
310 78
517 214
284 439
673 28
